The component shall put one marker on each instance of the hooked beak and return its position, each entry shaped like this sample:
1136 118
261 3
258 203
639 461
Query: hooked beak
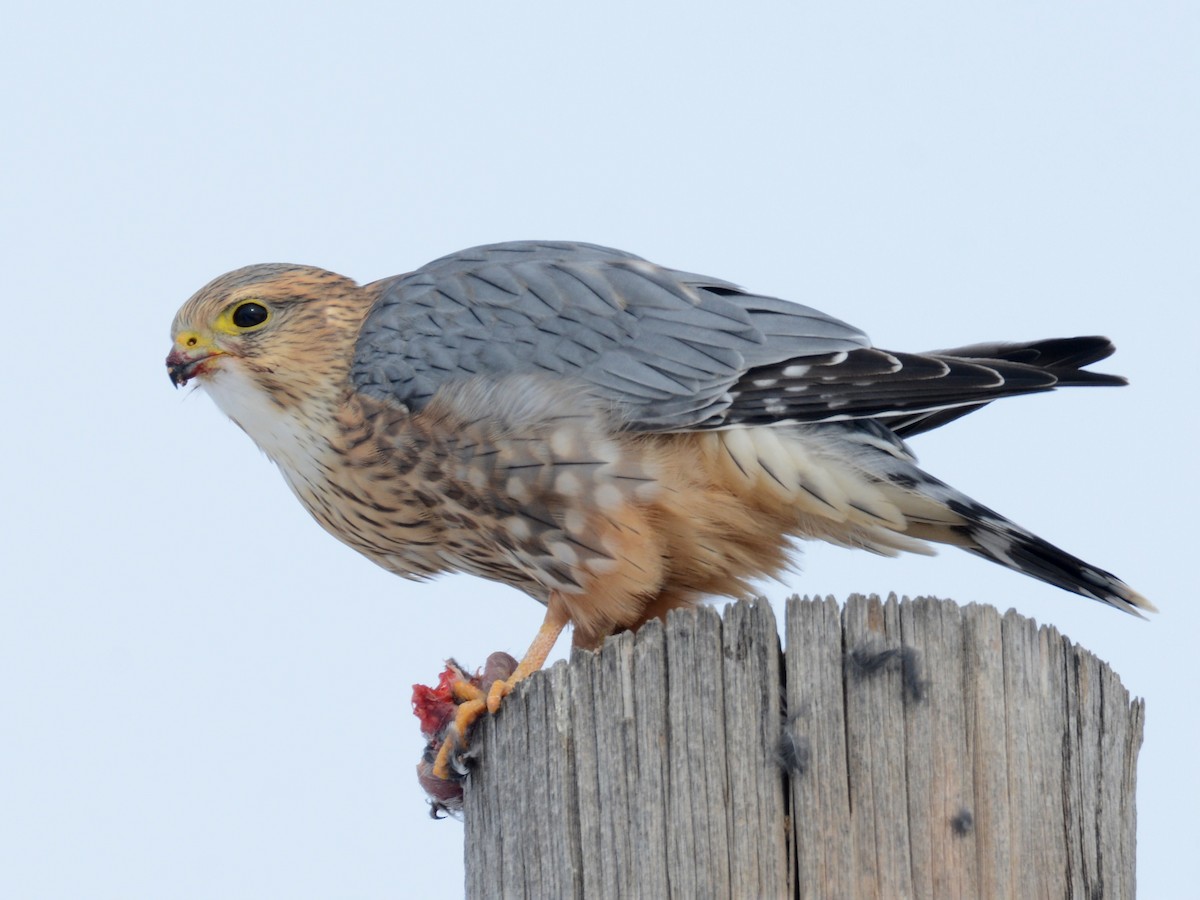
184 363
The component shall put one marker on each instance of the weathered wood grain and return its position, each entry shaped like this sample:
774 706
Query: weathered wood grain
816 731
898 749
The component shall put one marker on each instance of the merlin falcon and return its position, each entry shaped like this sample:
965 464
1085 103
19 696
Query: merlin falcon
614 438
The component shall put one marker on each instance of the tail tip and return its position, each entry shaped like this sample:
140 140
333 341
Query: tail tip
1128 600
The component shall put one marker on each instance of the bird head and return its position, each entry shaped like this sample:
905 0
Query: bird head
279 326
272 345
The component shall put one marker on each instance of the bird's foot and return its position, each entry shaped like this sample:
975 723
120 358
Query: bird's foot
447 712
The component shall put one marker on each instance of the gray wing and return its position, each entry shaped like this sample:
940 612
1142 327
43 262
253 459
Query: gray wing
667 350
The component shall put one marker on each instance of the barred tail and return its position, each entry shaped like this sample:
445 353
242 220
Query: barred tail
986 533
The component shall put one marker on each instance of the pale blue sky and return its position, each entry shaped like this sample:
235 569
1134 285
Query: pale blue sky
203 695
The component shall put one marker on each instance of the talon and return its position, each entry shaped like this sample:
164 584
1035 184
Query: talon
499 690
441 764
456 734
465 691
465 718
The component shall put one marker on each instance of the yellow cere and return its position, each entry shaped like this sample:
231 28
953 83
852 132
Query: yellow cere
190 340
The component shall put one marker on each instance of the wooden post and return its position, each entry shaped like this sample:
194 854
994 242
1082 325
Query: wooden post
900 749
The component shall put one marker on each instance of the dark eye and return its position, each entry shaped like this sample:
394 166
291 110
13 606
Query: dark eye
249 314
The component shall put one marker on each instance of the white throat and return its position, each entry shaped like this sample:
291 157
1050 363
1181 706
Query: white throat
290 437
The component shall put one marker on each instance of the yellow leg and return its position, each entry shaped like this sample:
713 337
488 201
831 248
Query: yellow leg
535 657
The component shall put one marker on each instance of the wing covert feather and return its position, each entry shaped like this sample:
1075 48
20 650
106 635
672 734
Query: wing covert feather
663 347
